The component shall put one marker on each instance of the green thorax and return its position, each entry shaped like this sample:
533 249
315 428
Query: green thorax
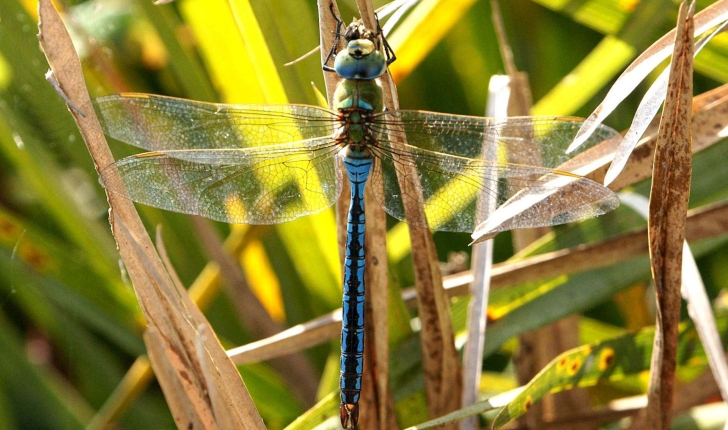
359 94
356 100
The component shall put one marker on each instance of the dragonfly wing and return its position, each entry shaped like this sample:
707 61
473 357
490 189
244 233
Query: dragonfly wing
551 200
265 185
458 192
535 141
159 123
448 190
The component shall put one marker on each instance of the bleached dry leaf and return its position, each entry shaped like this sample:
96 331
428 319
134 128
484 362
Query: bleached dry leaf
294 339
700 311
643 65
499 95
646 111
551 196
709 122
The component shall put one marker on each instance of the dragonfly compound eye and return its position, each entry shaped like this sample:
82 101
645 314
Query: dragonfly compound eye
360 60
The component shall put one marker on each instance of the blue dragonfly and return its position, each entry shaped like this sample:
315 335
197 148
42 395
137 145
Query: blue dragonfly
268 164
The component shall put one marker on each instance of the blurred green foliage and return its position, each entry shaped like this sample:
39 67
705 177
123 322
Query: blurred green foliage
69 324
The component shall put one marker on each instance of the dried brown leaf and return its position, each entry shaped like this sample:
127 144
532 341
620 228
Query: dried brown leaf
232 405
188 407
171 316
666 226
378 396
441 363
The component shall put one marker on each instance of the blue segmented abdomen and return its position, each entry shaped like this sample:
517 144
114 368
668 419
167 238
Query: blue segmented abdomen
352 326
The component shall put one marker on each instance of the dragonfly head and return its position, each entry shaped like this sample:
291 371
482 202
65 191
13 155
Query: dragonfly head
362 58
357 30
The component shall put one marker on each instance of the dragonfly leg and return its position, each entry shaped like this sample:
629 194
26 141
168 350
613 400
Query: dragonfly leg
388 51
337 38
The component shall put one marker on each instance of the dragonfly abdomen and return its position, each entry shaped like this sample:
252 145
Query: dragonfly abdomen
352 331
356 97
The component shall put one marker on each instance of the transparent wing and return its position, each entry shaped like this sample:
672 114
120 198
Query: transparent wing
536 141
263 185
462 163
159 123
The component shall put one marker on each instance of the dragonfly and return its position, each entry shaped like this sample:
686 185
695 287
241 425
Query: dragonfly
268 164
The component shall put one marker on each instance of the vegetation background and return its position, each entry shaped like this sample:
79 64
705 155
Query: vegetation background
70 327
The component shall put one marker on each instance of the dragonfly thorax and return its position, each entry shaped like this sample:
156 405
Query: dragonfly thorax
354 134
358 94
